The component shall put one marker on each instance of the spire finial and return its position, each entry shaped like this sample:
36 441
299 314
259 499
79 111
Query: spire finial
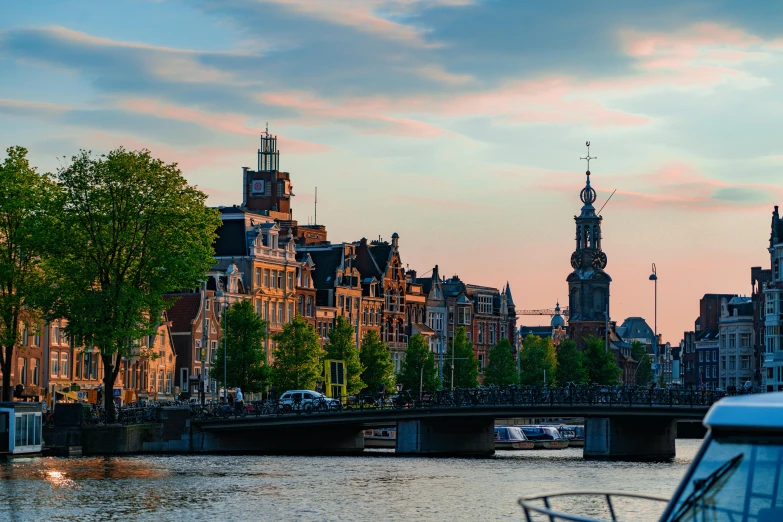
267 133
588 158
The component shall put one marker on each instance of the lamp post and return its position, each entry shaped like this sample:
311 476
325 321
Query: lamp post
204 340
654 278
224 305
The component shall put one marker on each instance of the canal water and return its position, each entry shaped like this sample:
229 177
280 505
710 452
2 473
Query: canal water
375 486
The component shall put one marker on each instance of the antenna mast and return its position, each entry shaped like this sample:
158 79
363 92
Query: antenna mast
315 218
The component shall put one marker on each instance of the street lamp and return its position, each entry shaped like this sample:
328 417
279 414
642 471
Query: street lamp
224 304
654 278
204 341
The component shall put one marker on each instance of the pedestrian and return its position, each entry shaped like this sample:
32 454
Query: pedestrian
239 403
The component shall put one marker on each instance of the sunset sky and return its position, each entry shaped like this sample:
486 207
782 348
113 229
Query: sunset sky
456 123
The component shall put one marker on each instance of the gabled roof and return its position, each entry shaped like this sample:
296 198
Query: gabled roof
637 328
231 238
326 263
183 311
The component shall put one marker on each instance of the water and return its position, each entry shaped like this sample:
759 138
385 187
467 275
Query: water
377 486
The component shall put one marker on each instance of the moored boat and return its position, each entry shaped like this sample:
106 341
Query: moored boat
380 438
544 437
574 434
511 438
21 428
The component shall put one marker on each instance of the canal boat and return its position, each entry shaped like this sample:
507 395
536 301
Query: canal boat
575 435
736 475
544 437
380 438
21 425
511 438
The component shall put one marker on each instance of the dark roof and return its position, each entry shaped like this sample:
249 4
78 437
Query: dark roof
232 238
326 263
183 311
708 335
426 284
365 260
508 295
541 331
637 327
381 252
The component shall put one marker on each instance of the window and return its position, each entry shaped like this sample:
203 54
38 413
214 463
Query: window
341 302
492 334
212 351
746 362
290 312
723 363
280 279
436 292
309 307
22 370
168 382
258 308
485 304
745 340
273 314
160 381
54 364
258 277
300 305
364 316
732 341
280 313
36 368
266 277
714 372
55 333
481 333
481 361
27 430
701 356
24 334
290 280
732 363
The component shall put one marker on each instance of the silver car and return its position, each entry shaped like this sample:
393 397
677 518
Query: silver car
307 401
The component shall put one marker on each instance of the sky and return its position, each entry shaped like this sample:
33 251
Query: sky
458 124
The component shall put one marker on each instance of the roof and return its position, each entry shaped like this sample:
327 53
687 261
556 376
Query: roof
326 262
184 311
232 239
710 334
637 328
510 300
762 411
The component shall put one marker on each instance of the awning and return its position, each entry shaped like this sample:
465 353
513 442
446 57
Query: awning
71 395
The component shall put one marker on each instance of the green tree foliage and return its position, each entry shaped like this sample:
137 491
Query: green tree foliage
601 364
662 380
536 359
342 346
297 359
644 374
570 364
501 369
419 368
244 333
377 363
465 363
24 195
129 229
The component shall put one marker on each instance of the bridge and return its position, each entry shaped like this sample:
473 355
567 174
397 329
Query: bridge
627 424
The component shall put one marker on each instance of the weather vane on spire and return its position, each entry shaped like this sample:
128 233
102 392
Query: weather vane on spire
267 133
588 157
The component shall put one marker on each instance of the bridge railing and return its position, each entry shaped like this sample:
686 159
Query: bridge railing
603 396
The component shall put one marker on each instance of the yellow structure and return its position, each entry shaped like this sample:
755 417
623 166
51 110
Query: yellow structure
335 378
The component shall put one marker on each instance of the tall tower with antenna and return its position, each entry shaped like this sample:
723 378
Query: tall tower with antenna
588 284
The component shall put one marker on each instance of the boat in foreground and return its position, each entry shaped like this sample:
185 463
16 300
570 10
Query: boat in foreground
21 426
736 475
511 438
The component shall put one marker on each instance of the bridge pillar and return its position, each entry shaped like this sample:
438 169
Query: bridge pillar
446 437
630 438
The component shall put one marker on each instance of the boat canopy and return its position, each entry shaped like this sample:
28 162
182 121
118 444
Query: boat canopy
761 411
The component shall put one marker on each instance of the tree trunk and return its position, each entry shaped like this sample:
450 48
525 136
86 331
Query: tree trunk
7 391
109 375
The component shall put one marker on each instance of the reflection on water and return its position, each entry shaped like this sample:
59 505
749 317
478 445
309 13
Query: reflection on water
375 486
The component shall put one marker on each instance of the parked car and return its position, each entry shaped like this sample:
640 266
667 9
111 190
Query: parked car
307 401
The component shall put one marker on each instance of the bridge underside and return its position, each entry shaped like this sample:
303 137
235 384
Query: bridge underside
474 437
282 440
634 439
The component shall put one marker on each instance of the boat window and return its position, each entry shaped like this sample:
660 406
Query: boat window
736 479
27 430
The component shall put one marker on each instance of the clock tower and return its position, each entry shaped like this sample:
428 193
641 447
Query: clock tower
588 284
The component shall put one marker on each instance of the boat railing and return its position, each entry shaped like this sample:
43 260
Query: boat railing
541 507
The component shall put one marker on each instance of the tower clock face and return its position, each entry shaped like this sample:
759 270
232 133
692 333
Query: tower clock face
576 260
599 260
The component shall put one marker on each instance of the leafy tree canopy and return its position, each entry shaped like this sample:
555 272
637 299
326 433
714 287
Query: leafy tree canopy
601 364
297 359
644 373
465 363
377 363
570 364
419 368
24 197
129 229
537 361
501 369
244 333
342 346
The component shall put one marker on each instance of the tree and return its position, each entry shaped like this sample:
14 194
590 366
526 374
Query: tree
297 363
644 374
24 194
419 368
601 365
377 363
661 380
342 346
537 361
465 363
501 369
129 229
244 333
570 364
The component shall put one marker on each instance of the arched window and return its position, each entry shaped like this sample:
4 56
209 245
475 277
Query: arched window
309 307
301 305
